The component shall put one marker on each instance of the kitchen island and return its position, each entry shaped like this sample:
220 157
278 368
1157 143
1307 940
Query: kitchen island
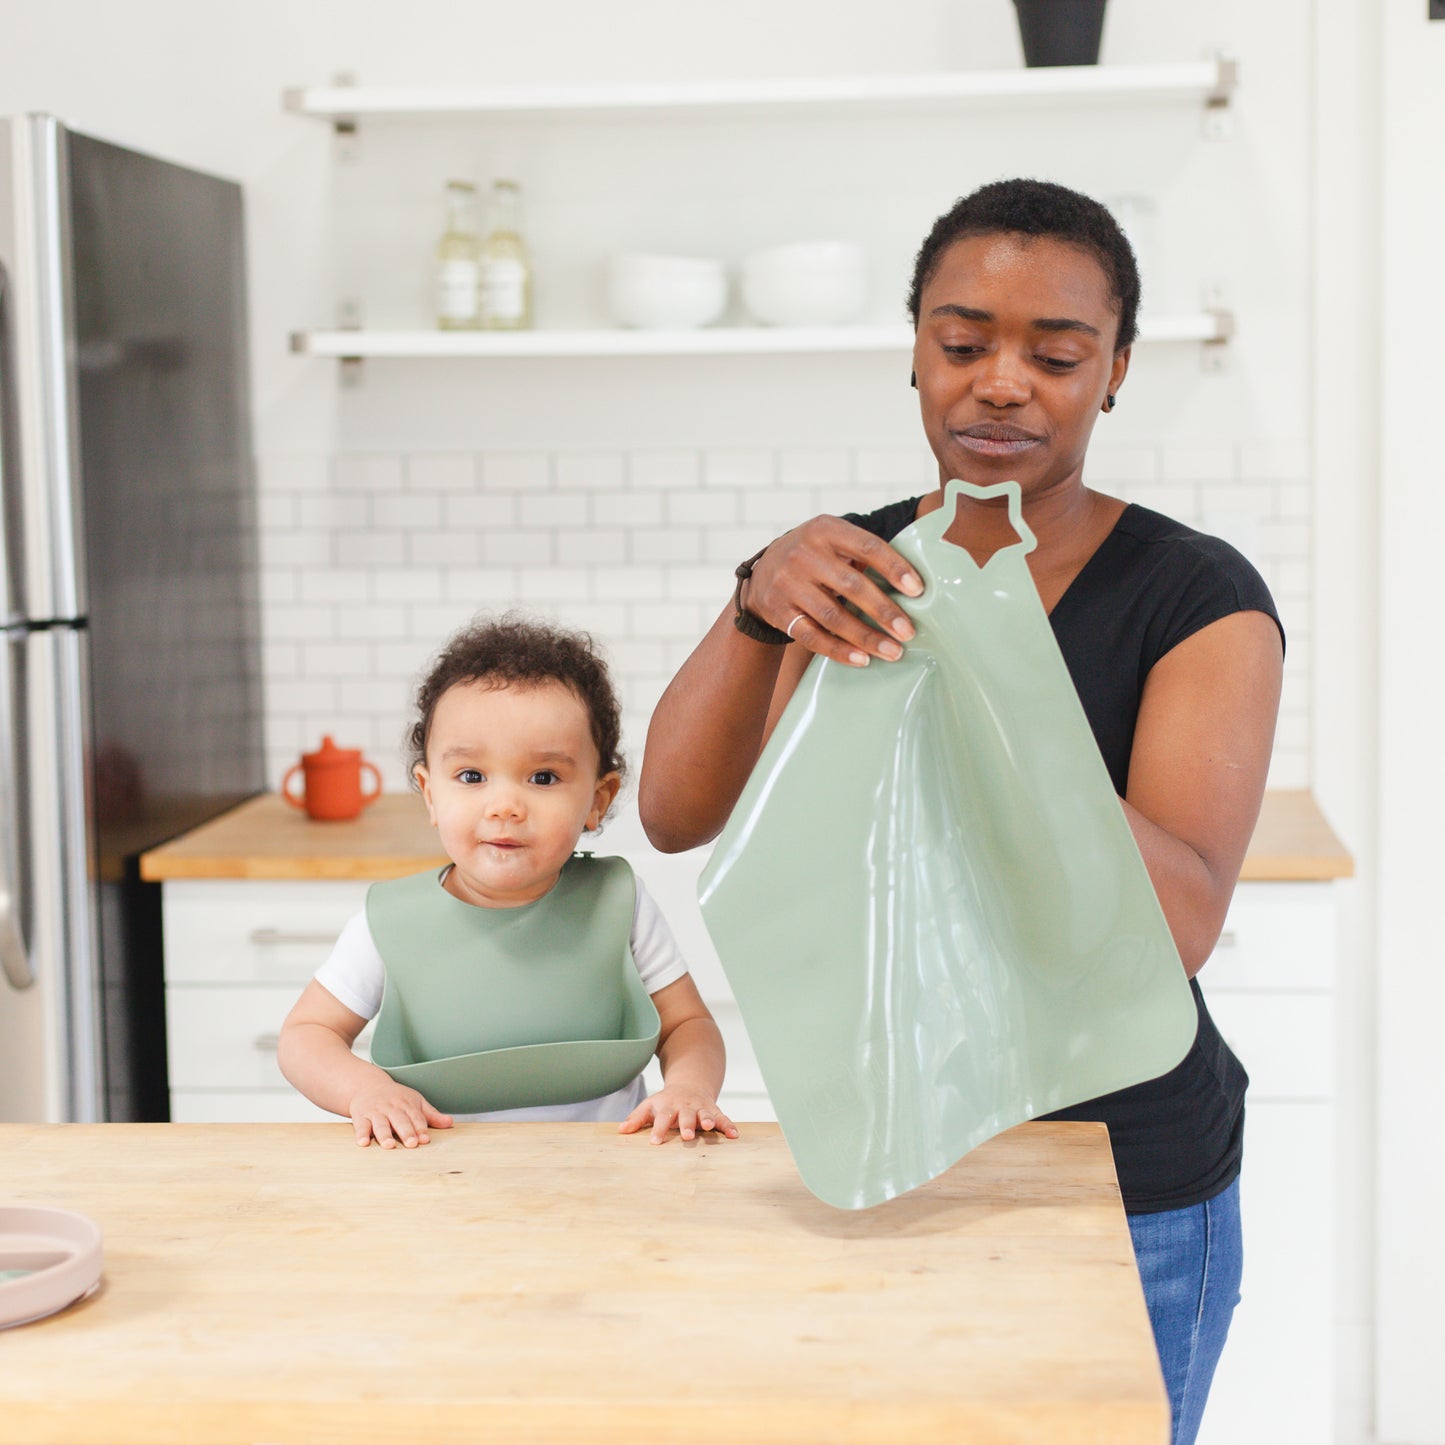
560 1282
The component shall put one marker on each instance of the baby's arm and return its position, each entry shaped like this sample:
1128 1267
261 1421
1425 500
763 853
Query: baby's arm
690 1050
315 1056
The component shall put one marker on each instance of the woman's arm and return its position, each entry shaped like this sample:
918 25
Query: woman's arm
717 713
315 1056
1198 768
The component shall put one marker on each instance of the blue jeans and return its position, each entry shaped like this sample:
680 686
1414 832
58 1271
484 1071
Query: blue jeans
1190 1262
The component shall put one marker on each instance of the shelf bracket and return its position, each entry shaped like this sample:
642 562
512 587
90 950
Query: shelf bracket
348 318
1218 112
1212 351
345 139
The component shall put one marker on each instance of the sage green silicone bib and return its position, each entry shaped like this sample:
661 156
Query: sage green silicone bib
506 1008
928 901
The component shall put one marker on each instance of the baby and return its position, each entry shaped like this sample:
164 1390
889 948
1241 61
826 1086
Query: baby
515 750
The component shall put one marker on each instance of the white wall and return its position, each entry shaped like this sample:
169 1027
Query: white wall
618 494
1411 1180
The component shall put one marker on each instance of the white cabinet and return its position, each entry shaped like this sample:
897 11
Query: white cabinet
1270 987
238 955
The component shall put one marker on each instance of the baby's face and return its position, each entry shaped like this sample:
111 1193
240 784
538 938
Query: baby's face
511 780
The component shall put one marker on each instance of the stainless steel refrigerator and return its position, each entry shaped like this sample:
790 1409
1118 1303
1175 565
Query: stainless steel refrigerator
130 689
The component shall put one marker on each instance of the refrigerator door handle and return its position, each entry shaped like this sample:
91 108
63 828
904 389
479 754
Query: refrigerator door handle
16 902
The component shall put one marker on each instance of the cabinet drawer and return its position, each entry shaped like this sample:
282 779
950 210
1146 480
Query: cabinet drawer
225 1038
1277 936
250 932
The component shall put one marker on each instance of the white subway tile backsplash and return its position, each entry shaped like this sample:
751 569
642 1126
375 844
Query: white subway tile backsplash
302 694
541 585
702 509
555 509
293 472
334 510
516 547
590 471
372 560
801 468
412 585
666 544
371 623
482 588
516 471
892 468
634 509
1117 464
479 509
336 584
596 547
293 623
738 468
703 584
663 471
730 545
337 659
442 472
370 549
1274 461
458 548
407 512
633 582
296 548
367 472
1199 462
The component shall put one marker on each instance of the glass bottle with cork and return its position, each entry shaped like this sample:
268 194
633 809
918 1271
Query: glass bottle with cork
459 252
505 275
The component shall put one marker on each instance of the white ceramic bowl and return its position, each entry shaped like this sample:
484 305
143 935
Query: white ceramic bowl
661 292
807 283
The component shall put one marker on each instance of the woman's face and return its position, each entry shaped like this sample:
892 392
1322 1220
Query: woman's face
1014 356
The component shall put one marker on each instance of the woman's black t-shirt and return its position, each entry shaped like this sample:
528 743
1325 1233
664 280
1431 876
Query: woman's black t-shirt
1153 582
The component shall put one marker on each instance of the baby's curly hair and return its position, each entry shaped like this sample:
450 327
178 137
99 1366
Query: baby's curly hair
515 651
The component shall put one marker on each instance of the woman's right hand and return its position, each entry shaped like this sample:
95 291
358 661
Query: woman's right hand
390 1113
801 583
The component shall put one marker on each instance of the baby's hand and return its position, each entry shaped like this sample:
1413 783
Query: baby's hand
389 1111
688 1109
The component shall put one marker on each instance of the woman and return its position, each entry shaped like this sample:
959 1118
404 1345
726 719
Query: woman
1024 301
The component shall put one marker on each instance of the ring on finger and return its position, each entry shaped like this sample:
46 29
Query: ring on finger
794 623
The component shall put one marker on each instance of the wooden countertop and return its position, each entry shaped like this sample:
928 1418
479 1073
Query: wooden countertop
559 1282
267 838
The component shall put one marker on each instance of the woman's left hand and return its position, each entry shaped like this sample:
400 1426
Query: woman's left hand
689 1111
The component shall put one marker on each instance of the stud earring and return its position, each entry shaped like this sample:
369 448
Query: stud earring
913 380
1109 402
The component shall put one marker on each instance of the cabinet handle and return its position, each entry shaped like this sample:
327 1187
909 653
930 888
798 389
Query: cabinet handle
276 937
266 1043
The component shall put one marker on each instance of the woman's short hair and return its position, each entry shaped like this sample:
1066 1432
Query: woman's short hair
1038 208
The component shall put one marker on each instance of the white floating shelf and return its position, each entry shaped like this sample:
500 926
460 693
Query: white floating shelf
1207 81
1211 326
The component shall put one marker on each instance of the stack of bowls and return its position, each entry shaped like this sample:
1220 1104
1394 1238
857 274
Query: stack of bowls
806 283
665 292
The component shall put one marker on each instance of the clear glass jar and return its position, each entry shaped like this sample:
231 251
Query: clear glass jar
505 283
458 257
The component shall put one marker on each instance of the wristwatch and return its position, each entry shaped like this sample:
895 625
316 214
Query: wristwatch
749 623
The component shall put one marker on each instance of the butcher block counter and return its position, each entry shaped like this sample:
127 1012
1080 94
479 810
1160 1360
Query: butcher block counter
267 838
560 1282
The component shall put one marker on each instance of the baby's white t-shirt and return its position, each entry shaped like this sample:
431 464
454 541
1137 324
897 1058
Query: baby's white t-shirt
355 976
